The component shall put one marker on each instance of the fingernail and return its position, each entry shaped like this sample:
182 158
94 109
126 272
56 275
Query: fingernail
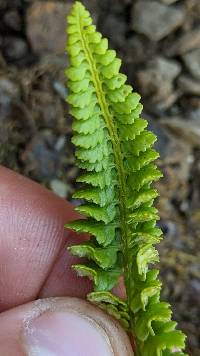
66 333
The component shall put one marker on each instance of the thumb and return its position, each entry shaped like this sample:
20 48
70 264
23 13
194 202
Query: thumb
61 327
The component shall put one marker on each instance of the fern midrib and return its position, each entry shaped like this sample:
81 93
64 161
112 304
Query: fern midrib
117 156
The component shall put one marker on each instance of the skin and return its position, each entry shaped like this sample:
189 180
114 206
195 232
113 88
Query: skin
34 263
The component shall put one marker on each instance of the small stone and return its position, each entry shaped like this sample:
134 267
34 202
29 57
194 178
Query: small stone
155 20
189 85
164 140
60 88
169 148
195 114
15 48
41 158
8 87
46 26
188 130
13 20
196 285
9 93
138 49
60 143
57 62
168 2
190 105
175 166
156 81
169 229
185 43
192 61
59 188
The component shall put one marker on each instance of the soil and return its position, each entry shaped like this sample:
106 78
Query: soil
161 56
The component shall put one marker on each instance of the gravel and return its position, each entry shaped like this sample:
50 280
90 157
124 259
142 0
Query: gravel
159 43
156 20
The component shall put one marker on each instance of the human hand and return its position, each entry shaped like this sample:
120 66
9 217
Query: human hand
35 267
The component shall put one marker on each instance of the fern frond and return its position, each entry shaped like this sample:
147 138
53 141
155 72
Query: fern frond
114 149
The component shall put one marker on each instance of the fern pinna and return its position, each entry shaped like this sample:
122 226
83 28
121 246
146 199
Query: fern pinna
114 150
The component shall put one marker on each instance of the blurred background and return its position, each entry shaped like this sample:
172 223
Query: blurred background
159 43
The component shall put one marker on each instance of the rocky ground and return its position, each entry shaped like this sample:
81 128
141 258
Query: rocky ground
159 42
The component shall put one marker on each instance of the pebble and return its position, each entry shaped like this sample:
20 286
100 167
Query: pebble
195 114
9 88
49 156
170 149
169 229
189 85
13 20
59 188
138 49
60 88
46 26
168 2
156 20
164 139
188 130
196 284
9 93
15 48
186 42
156 80
40 157
192 62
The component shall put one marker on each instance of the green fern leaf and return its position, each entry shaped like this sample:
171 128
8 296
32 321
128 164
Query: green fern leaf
114 150
105 257
103 281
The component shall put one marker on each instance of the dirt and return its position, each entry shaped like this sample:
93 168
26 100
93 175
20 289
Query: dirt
161 60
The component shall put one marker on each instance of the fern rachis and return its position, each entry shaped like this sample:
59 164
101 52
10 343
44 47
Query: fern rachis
114 150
